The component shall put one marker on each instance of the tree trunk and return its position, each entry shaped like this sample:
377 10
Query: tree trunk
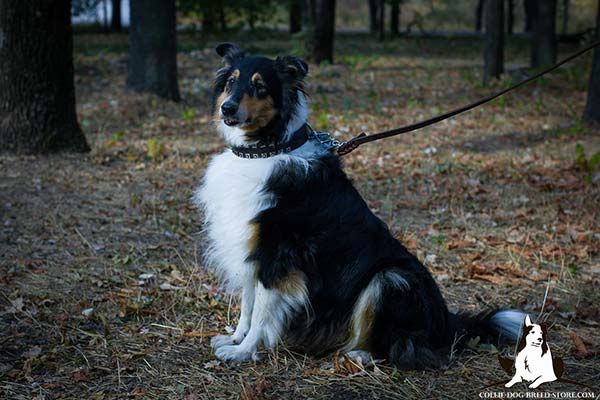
105 24
543 46
565 20
373 16
381 26
592 106
479 15
530 11
115 23
510 20
37 93
295 16
395 19
222 18
324 30
494 40
208 19
152 48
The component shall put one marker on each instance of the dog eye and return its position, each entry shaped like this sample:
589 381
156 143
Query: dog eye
230 81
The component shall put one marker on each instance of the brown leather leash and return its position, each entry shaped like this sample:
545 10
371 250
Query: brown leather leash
352 144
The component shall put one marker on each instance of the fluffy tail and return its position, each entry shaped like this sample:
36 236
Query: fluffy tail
495 326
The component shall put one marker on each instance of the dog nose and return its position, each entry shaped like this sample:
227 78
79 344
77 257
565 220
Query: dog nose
229 108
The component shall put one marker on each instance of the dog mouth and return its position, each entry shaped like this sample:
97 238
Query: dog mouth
231 122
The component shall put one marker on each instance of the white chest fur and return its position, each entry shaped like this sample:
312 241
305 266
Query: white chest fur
231 196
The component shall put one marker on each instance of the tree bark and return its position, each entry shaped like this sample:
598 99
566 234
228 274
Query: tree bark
208 18
544 44
479 15
494 40
395 19
105 25
373 16
222 18
592 106
152 62
115 23
37 93
381 26
295 16
530 11
510 20
565 19
324 30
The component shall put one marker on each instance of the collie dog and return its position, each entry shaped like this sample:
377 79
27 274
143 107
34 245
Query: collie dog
288 232
534 361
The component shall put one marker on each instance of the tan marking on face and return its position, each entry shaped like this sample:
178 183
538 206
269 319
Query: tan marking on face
257 78
236 73
218 103
260 112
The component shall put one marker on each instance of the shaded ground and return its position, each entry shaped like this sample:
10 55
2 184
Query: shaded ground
103 293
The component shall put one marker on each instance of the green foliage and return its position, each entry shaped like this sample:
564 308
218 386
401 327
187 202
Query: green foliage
224 12
573 268
322 121
155 149
439 239
578 128
472 78
587 165
115 138
189 114
84 7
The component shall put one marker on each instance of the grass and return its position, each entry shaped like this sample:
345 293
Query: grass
103 292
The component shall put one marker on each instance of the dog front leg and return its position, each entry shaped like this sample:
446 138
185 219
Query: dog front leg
516 379
243 325
265 327
541 379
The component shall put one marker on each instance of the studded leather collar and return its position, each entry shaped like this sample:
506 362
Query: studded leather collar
266 150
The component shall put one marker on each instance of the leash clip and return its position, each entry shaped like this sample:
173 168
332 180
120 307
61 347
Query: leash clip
325 138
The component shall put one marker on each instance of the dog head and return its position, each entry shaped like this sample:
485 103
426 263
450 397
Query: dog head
533 335
255 97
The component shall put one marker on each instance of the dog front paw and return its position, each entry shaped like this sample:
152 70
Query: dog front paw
510 383
236 353
226 340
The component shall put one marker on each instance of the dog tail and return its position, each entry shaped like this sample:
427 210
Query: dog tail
495 326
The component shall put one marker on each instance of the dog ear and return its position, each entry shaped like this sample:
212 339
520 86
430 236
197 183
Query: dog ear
230 52
291 68
528 321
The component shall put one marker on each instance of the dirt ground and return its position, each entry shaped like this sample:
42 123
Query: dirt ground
103 292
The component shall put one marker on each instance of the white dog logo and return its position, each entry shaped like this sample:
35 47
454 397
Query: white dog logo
534 361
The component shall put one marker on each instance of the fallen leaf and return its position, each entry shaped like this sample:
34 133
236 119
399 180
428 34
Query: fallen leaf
80 376
211 364
16 306
87 312
490 278
581 349
168 286
32 353
193 333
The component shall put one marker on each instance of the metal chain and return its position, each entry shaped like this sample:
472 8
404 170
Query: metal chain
325 138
